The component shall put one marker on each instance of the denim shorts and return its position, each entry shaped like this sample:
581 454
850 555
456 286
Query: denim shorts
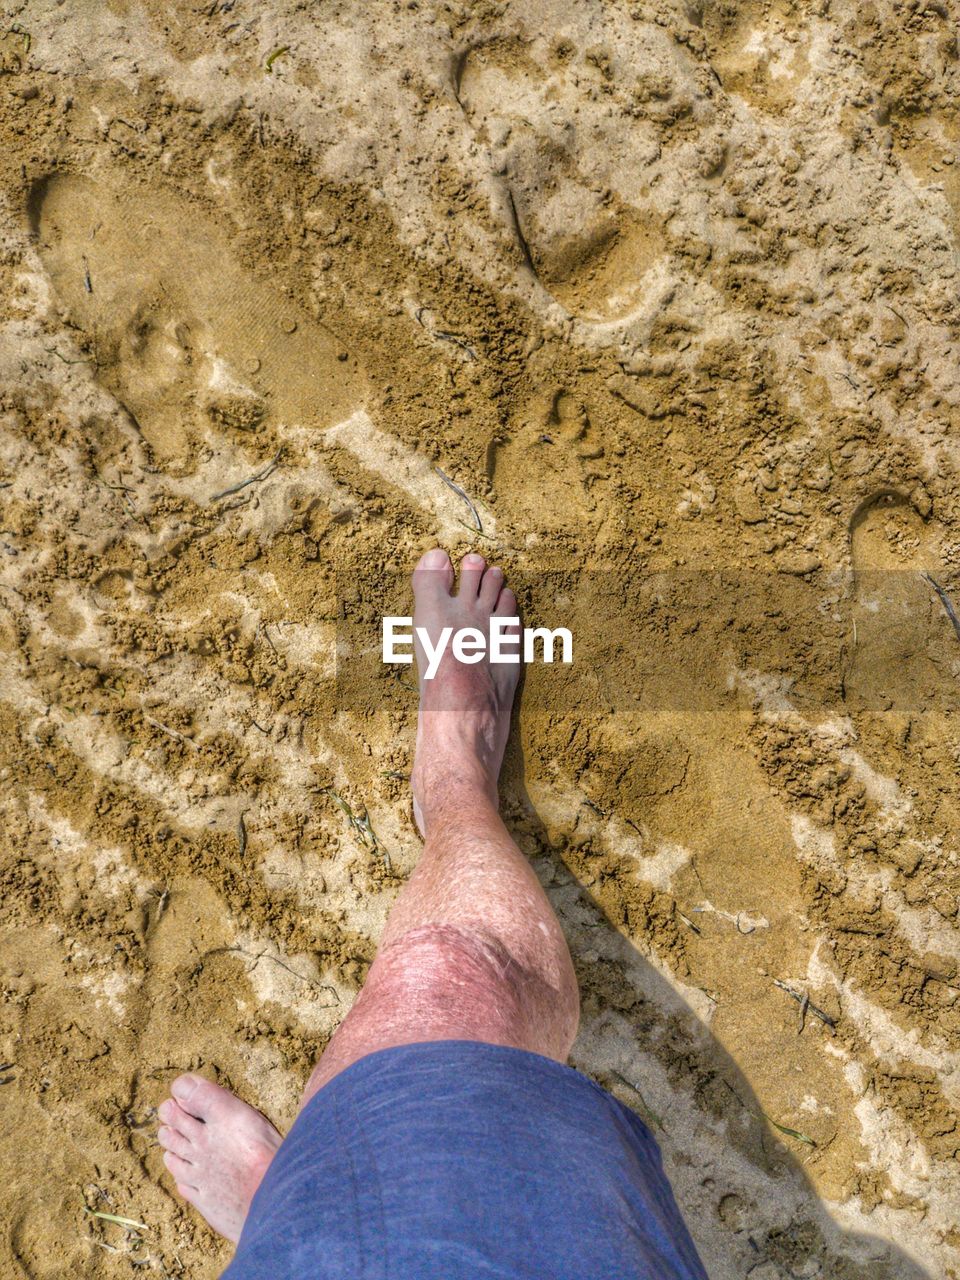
456 1159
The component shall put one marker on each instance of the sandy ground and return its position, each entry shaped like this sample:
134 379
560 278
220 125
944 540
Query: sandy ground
670 290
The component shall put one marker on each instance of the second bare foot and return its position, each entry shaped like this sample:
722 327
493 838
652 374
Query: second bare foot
217 1149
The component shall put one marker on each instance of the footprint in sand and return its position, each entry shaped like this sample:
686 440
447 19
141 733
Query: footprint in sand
181 334
589 248
553 449
760 51
903 642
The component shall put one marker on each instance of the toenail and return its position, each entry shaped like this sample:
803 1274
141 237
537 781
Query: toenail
184 1087
435 559
472 559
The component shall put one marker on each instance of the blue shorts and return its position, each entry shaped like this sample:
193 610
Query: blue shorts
458 1160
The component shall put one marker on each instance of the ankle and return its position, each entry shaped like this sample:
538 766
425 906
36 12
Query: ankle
443 789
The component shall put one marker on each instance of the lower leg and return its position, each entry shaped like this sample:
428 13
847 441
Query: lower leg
471 951
472 948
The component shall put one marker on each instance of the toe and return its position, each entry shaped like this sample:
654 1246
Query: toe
173 1140
201 1098
490 587
220 1110
433 576
172 1114
167 1109
507 606
182 1170
471 573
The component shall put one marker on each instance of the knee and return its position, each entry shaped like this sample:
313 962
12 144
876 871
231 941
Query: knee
436 959
468 977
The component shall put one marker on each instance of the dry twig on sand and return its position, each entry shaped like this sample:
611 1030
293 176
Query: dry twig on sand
648 1111
945 601
806 1005
362 825
254 479
451 484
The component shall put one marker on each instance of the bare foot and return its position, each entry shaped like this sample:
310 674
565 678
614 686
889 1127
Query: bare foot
464 716
217 1149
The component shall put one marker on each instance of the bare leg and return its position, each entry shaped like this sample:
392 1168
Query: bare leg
472 949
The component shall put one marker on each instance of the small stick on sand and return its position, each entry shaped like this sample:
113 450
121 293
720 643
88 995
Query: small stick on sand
476 531
266 636
456 340
161 905
444 334
254 479
806 1003
645 1106
54 352
113 1217
945 601
460 493
180 737
173 733
689 923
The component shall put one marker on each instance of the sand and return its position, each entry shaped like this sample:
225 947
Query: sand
670 291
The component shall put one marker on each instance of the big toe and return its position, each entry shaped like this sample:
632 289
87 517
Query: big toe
203 1099
433 576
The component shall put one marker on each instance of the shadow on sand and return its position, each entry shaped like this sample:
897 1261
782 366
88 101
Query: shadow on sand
744 1194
